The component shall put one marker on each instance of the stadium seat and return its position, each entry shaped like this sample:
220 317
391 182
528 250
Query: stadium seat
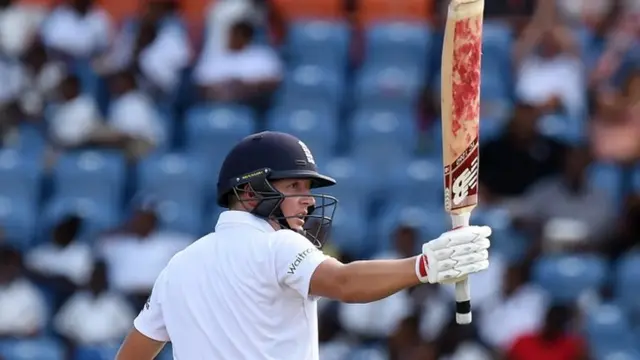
566 277
18 216
431 221
183 215
399 43
608 326
99 175
20 176
98 216
349 229
617 353
389 83
626 282
104 352
30 141
32 349
212 130
418 179
173 175
607 177
319 42
355 180
315 123
380 135
312 82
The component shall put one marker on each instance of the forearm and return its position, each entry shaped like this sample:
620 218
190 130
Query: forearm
371 280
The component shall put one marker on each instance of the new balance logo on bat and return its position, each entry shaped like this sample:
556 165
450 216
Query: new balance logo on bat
463 183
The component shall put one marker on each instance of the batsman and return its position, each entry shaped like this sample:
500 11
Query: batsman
249 290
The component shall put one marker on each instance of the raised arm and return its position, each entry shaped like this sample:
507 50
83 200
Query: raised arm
453 255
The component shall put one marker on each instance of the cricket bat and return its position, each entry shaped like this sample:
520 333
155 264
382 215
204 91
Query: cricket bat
460 106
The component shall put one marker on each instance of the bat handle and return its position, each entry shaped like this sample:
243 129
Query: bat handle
463 294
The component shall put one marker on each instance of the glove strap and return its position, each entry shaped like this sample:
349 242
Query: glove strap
421 268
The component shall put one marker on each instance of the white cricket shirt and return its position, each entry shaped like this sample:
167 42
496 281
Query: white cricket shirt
240 293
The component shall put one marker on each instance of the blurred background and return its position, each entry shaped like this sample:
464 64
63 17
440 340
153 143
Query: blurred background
116 115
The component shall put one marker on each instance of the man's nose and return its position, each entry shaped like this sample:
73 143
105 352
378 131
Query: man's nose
308 200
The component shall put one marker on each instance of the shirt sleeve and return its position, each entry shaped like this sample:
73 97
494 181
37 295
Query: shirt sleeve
296 259
150 321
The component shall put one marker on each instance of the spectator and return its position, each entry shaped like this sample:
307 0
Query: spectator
23 311
77 123
615 124
405 241
567 208
157 46
518 158
95 315
550 71
134 113
77 29
247 73
519 308
19 23
40 76
553 341
220 18
64 263
137 253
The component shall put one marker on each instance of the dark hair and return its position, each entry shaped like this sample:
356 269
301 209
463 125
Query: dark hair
244 28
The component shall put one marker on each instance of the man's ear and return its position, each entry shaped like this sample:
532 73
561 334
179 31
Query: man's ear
248 197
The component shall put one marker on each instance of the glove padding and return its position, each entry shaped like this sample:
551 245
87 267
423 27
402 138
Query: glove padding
454 255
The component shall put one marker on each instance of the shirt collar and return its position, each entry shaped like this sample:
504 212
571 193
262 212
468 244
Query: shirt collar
234 218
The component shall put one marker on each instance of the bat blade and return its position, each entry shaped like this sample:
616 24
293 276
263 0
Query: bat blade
460 105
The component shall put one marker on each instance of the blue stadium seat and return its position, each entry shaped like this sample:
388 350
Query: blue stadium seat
306 82
497 41
626 282
608 177
615 353
349 229
391 83
319 42
567 277
99 175
20 176
30 141
173 175
380 135
562 127
419 179
398 42
212 130
32 349
608 326
355 180
18 216
98 352
315 123
369 353
430 222
98 216
182 214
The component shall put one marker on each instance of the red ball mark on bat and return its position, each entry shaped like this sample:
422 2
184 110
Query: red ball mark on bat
466 72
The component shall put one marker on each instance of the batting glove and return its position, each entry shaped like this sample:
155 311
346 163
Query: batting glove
454 255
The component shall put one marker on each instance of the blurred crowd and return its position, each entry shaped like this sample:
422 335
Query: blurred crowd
113 124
